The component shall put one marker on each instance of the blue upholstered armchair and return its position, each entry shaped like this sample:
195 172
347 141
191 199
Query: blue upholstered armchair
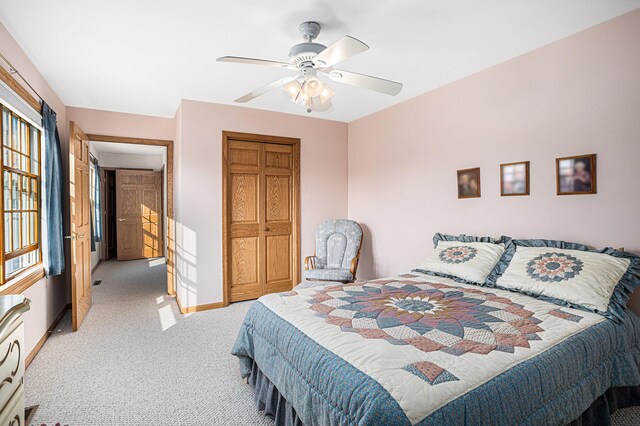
338 245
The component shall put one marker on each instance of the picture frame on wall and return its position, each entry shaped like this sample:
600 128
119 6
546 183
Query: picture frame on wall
576 175
469 183
514 179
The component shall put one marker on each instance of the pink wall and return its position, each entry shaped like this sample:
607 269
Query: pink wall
579 95
49 295
199 192
111 123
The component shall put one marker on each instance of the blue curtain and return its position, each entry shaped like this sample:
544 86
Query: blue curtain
98 212
93 235
53 194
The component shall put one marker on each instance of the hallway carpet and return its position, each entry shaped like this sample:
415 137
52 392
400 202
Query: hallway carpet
137 361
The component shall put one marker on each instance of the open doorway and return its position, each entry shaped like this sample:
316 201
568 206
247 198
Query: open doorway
128 201
131 201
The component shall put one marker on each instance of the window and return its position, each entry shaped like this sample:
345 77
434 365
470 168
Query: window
21 200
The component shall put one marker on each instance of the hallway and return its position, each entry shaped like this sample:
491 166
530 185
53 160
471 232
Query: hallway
136 360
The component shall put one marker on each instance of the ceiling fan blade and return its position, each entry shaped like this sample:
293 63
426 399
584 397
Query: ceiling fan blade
264 89
342 49
252 61
381 85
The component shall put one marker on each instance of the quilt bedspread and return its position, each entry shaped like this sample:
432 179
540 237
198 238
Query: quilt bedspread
419 349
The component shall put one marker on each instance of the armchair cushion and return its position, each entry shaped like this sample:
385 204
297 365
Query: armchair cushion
328 275
337 243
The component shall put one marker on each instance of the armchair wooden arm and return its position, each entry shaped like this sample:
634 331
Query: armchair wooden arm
309 263
354 266
354 262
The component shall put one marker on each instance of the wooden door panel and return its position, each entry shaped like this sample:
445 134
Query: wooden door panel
150 243
86 187
82 258
139 214
129 178
278 198
151 208
150 179
244 155
129 239
278 258
278 160
245 283
130 203
244 198
79 225
150 202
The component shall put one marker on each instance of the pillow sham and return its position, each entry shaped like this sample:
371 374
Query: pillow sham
463 258
572 275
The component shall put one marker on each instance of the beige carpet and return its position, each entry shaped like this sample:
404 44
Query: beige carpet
137 361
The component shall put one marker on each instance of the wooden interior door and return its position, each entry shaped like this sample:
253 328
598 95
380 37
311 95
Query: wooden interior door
139 214
260 215
80 225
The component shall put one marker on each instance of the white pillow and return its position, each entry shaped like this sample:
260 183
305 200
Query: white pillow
471 262
579 277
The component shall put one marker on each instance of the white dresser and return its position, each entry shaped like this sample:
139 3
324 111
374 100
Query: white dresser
12 359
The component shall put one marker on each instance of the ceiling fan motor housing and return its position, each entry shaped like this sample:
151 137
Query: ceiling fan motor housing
304 52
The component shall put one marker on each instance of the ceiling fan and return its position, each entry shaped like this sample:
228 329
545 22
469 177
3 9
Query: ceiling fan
310 60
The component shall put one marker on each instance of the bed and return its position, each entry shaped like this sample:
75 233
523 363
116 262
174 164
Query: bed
428 350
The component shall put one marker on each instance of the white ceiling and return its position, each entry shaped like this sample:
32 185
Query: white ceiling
144 56
127 148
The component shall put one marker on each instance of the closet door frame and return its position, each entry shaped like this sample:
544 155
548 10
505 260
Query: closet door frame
295 178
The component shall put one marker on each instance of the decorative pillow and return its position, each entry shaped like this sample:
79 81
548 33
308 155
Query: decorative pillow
464 258
572 275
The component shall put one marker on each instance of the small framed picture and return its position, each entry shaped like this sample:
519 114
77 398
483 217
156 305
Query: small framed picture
514 179
469 183
576 175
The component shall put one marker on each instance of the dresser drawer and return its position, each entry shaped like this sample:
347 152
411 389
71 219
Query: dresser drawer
13 413
11 364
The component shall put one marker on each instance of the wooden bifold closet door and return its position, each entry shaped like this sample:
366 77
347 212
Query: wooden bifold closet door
260 215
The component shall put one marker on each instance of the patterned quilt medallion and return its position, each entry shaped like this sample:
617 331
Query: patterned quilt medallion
428 316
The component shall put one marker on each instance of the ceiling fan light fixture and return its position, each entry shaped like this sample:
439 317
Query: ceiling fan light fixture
318 106
326 94
303 99
313 87
292 90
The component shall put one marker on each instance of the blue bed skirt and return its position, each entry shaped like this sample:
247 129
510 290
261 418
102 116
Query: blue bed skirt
599 413
269 399
275 406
